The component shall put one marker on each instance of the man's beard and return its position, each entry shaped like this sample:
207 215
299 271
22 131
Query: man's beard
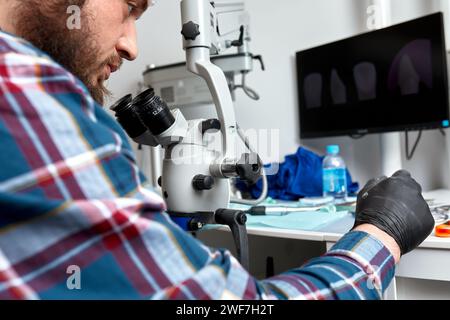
44 24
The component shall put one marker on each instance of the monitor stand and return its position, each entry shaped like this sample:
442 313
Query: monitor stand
391 153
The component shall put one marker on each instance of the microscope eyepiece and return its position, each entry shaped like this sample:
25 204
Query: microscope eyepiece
146 112
123 104
153 112
127 117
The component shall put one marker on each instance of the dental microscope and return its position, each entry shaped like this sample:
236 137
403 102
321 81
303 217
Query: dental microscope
195 180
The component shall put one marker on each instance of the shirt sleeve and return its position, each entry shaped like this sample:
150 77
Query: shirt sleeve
128 249
357 267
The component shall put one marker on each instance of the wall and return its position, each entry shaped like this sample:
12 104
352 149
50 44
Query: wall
279 29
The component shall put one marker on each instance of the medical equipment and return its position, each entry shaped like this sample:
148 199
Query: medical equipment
178 87
441 214
195 180
281 211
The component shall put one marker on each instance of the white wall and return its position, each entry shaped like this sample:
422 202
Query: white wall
279 29
159 42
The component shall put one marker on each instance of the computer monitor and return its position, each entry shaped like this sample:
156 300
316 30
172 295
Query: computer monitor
392 79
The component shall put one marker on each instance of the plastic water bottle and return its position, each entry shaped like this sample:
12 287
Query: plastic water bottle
334 175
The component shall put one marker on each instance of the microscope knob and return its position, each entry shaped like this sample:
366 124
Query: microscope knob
248 170
190 31
202 182
211 124
160 181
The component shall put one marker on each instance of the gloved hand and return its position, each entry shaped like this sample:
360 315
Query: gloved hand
396 206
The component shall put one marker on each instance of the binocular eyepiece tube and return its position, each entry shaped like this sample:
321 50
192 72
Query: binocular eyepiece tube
146 112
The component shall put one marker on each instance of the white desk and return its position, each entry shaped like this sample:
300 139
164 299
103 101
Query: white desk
431 261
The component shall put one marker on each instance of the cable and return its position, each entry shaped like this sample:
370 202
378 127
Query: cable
357 136
252 94
409 156
265 188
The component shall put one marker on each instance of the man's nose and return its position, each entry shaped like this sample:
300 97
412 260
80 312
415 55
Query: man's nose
127 44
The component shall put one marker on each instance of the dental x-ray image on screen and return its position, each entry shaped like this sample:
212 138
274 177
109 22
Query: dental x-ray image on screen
386 80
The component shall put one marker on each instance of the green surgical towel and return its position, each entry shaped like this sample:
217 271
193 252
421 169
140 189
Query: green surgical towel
307 221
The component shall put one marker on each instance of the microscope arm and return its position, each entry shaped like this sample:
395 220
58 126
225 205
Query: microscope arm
199 20
220 92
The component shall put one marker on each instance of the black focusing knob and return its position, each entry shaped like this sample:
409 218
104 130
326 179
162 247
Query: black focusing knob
211 124
249 170
241 218
160 181
190 31
202 182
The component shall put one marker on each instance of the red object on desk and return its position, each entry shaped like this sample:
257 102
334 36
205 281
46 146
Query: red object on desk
443 231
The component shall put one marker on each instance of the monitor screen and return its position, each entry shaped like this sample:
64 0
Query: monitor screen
391 79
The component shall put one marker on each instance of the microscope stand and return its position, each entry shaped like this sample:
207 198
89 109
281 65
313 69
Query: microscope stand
234 219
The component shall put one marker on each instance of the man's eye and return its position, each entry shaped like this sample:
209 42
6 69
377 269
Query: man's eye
131 9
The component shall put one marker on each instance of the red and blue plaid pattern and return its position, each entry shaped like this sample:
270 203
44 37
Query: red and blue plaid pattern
71 194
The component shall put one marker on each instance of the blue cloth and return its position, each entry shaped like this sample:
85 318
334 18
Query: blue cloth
299 176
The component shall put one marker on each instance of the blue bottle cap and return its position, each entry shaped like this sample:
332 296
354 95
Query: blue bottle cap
333 149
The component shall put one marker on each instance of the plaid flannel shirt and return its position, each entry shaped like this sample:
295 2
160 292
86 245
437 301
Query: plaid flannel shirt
72 199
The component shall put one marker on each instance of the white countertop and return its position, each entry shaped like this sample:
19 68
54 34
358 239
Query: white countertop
334 232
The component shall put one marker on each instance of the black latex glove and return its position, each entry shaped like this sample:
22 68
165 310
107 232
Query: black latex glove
396 206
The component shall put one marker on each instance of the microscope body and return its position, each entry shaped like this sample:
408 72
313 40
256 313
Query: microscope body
195 179
187 183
